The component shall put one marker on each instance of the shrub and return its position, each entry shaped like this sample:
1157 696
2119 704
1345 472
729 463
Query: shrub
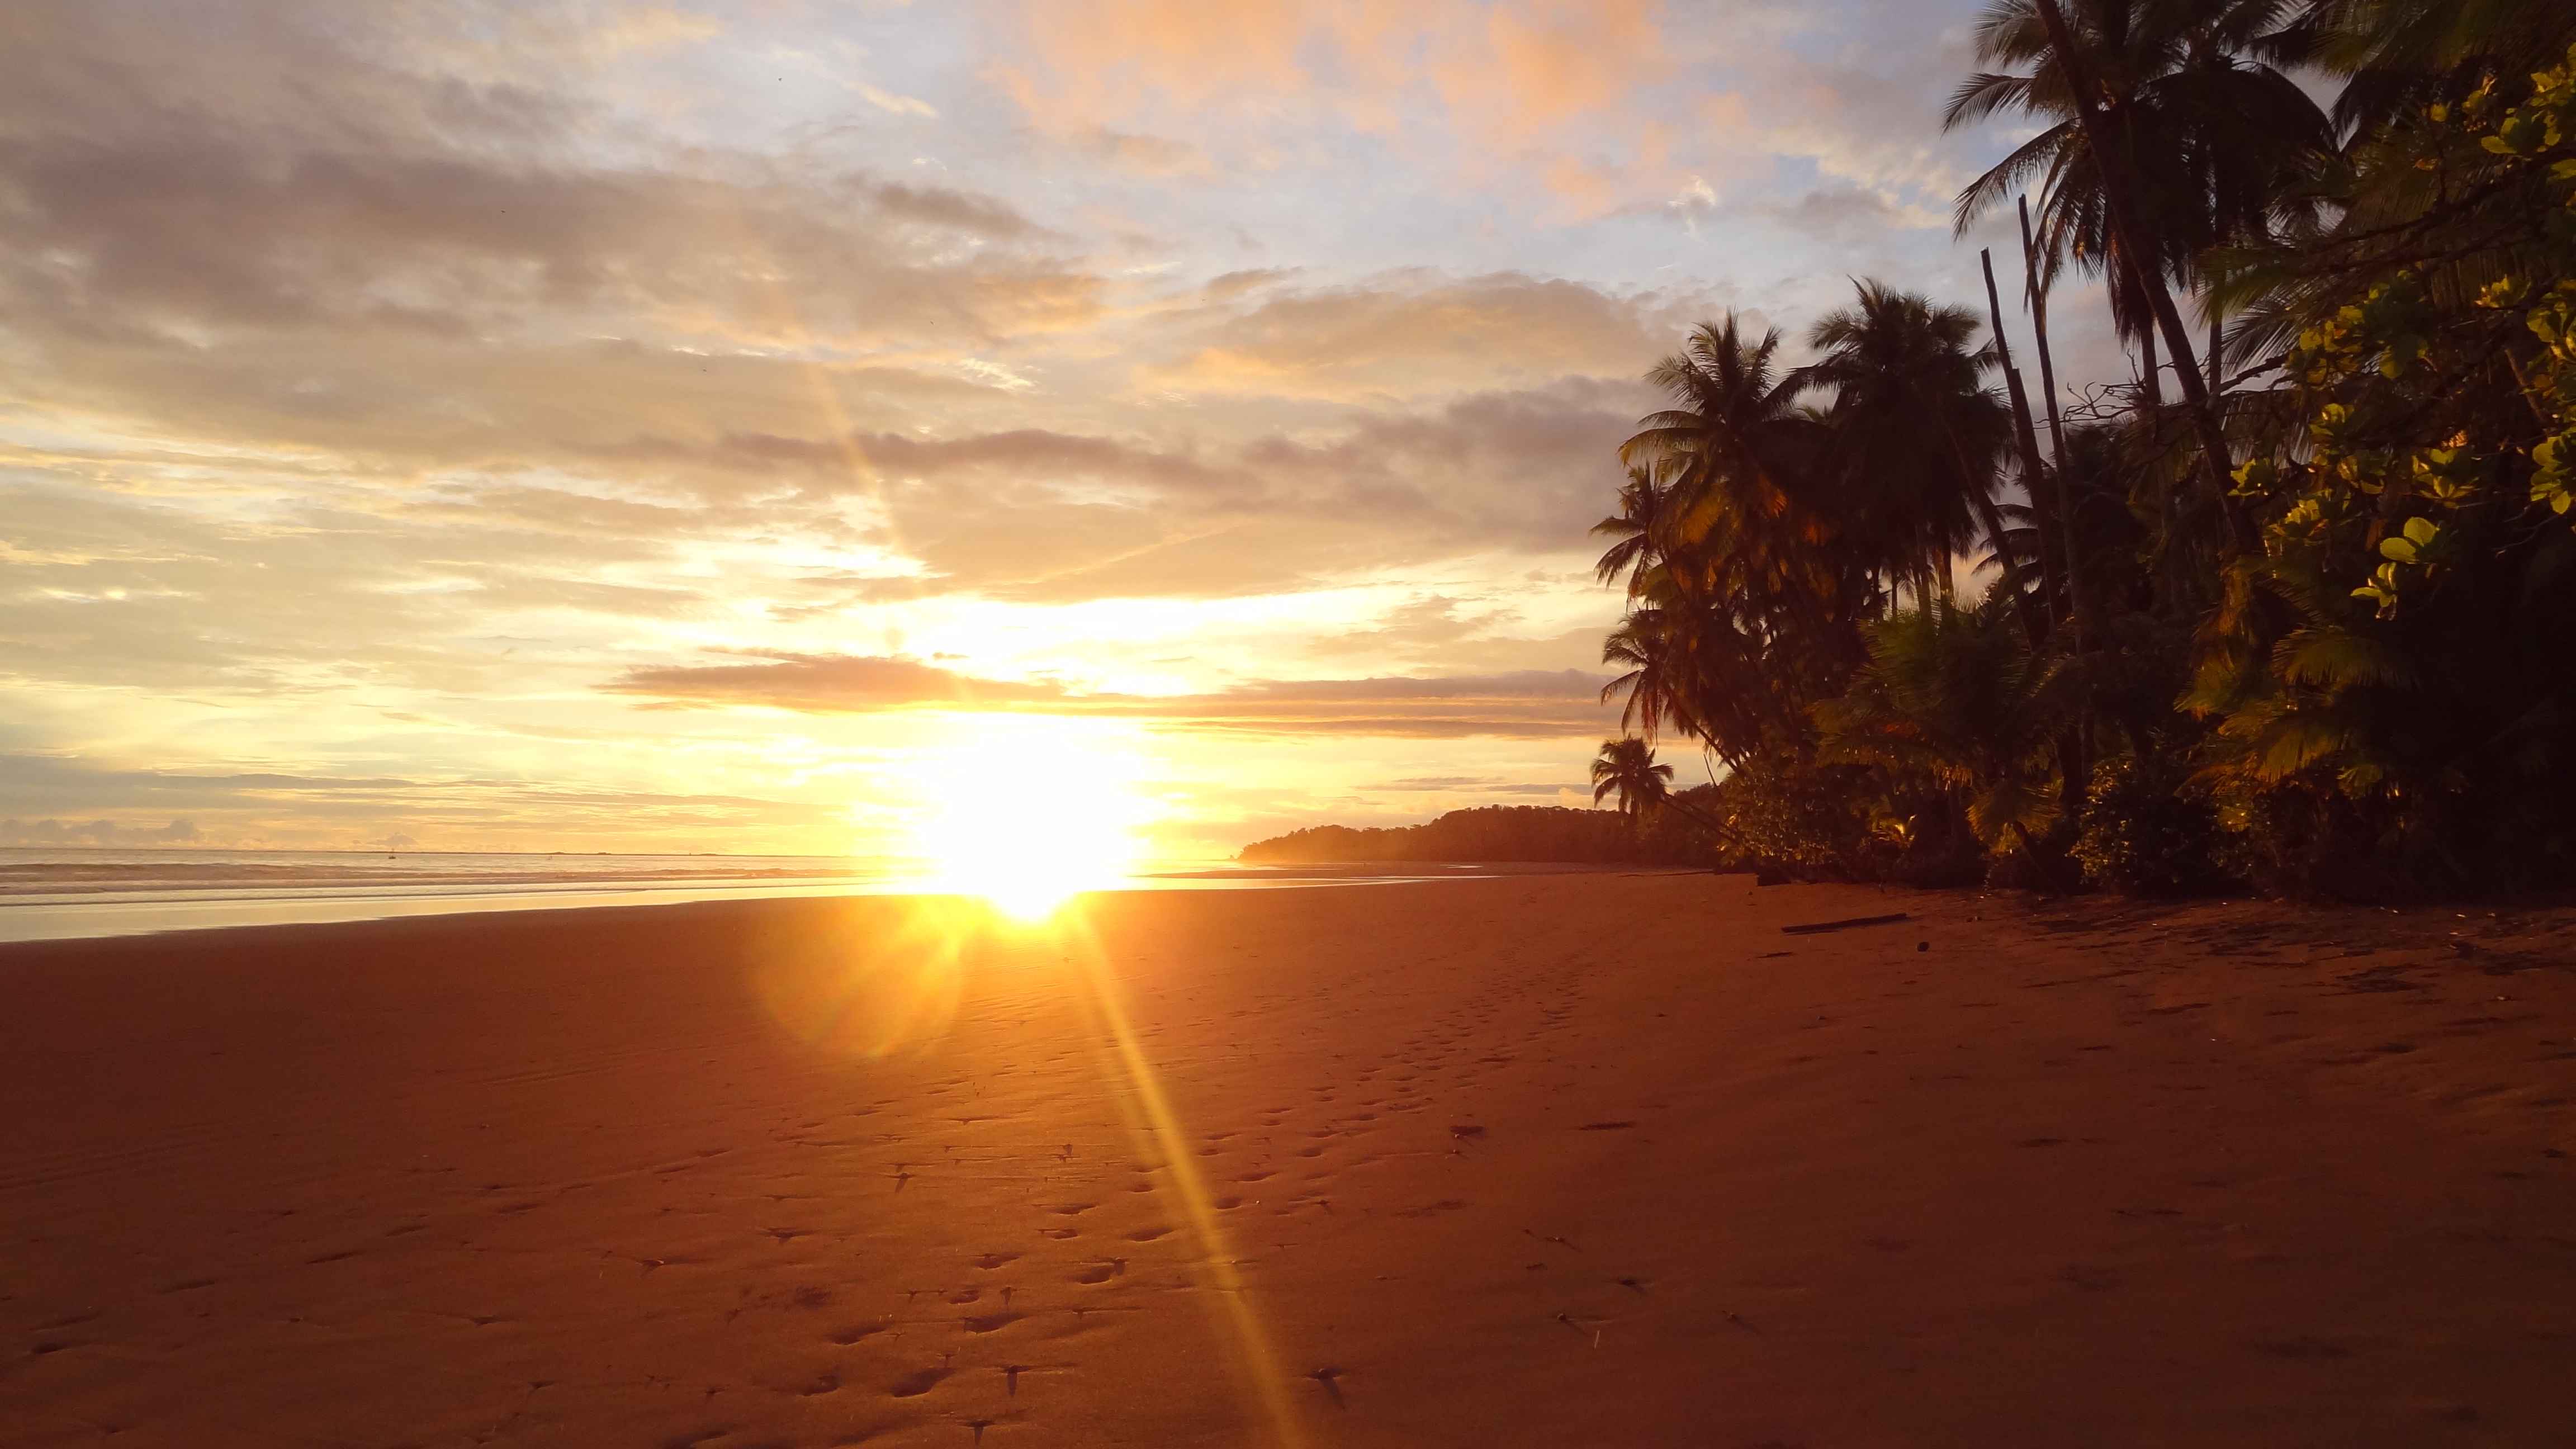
1792 815
2148 832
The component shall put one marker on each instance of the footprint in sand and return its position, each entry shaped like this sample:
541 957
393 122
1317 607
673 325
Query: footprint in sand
1073 1209
1059 1234
1147 1235
989 1261
913 1386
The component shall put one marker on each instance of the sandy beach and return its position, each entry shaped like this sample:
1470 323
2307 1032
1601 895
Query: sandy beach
1559 1160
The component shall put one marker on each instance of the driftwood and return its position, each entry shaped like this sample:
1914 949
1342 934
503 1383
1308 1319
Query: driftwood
1816 928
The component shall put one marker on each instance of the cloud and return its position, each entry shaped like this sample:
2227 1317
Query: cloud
898 105
326 233
1695 200
69 801
1414 333
185 236
1530 703
1491 82
1459 784
1142 155
849 684
1851 216
1043 515
95 833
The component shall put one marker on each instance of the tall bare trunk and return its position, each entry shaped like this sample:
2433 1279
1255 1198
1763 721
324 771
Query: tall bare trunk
2036 297
2051 549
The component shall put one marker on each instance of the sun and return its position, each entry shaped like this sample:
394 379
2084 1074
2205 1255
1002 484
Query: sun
1028 812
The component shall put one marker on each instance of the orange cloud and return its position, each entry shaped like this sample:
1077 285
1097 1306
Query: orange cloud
1544 64
1513 79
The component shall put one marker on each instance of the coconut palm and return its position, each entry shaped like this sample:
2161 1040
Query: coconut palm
1914 437
1626 768
2211 135
1745 589
1734 420
1651 686
1637 531
1732 447
2169 131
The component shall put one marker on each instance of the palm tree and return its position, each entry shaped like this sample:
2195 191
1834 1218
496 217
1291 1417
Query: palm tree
1732 421
2396 55
1651 683
1637 531
1744 592
1953 697
1731 447
2212 133
2168 131
1627 768
1915 437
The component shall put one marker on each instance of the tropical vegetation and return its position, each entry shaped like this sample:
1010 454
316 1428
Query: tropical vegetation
2292 608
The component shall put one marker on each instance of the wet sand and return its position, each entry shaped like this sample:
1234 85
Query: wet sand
1550 1160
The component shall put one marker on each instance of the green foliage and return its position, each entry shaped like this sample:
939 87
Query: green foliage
2407 613
2345 673
1784 812
1955 700
2148 831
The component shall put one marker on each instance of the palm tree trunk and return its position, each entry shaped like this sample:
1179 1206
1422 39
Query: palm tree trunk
2036 297
2051 548
2153 381
2122 203
2040 865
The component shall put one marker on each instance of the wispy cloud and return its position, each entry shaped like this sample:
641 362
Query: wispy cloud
1533 703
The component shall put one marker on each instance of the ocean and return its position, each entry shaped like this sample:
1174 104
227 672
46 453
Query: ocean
60 892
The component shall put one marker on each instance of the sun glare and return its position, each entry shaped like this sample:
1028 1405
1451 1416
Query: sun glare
1028 813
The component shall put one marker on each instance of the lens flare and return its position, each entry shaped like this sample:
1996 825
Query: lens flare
1028 813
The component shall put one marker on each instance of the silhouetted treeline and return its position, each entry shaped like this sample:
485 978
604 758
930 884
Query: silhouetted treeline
1488 833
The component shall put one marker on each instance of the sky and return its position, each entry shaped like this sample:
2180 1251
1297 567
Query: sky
609 426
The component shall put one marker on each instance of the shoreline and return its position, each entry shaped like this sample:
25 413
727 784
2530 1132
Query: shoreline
28 917
1610 1158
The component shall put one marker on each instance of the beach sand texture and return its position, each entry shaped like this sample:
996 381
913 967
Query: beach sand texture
1569 1160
